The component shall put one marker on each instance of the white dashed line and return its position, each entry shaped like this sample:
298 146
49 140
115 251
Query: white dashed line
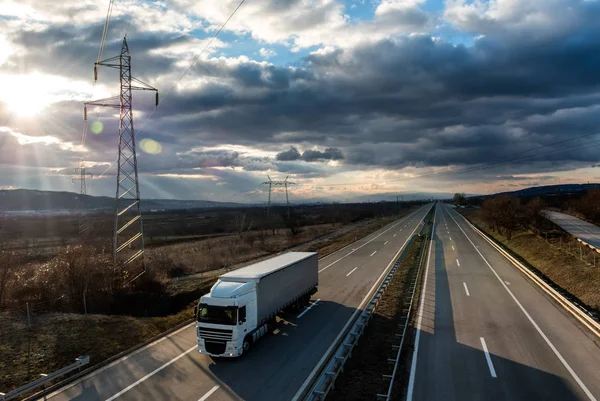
212 390
487 358
453 248
351 271
466 289
385 243
307 309
457 262
373 253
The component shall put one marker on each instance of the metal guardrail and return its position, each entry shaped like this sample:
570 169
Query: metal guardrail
405 321
326 380
79 362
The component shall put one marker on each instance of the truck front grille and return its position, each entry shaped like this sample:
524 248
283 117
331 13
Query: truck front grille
215 334
215 347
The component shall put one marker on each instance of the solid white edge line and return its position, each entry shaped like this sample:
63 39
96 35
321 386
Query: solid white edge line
352 318
539 330
307 309
125 357
457 262
487 357
155 371
351 271
413 365
113 363
373 253
368 242
212 390
466 289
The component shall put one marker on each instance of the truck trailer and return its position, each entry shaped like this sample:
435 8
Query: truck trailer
242 305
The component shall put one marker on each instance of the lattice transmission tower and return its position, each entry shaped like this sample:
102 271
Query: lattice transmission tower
81 176
128 234
284 184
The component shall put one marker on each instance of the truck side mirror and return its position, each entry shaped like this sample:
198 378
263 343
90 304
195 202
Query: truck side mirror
196 312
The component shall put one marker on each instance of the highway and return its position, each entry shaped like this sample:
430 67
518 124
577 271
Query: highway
278 366
576 227
485 332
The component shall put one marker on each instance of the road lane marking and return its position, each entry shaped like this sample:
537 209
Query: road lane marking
385 243
124 358
450 238
394 235
507 282
466 289
155 371
351 271
533 322
307 309
212 390
457 262
373 253
413 365
487 358
453 248
369 241
352 318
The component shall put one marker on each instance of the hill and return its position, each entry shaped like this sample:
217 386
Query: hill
34 200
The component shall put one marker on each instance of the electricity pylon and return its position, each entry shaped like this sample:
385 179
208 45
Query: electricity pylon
81 176
284 184
128 229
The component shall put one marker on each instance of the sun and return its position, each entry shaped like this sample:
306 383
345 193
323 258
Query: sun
25 95
26 105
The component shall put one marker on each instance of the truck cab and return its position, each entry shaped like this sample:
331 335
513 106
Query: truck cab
225 318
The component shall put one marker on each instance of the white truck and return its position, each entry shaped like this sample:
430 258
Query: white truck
242 305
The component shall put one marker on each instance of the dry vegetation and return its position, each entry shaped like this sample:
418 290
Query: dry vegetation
527 238
53 287
362 378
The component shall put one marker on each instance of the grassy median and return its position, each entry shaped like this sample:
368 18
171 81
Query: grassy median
362 378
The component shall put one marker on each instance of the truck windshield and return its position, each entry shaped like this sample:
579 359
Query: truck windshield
217 314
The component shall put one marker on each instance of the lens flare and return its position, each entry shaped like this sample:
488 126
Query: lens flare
97 127
150 146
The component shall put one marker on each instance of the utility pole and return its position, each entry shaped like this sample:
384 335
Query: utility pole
397 205
128 227
81 175
284 184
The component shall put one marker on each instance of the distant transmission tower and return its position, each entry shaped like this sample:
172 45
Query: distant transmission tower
81 176
128 229
284 184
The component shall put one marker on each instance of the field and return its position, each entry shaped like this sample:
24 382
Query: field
76 305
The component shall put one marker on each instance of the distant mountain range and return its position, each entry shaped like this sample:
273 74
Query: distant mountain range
34 200
547 190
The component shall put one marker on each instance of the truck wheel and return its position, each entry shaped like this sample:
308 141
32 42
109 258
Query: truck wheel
246 346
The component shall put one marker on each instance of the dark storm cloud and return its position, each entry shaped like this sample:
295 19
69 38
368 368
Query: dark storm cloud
328 154
414 101
291 154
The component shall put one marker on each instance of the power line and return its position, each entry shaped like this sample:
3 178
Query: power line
184 74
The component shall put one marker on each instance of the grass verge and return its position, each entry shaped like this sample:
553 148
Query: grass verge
564 269
362 378
56 339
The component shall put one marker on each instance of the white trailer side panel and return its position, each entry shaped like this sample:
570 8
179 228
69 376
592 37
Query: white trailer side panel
280 288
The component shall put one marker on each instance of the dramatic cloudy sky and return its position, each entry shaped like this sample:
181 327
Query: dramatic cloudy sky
348 98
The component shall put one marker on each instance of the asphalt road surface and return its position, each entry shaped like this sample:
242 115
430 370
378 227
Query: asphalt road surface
576 227
276 368
484 332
